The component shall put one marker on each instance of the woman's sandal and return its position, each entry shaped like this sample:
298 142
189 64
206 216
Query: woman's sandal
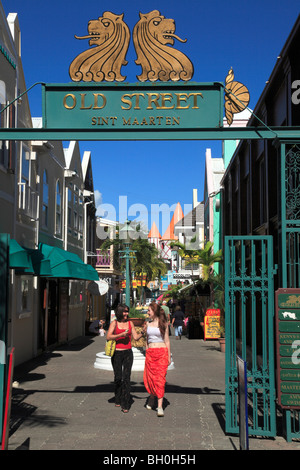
125 411
117 405
150 403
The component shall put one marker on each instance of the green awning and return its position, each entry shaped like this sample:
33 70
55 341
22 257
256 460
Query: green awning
66 264
18 257
41 266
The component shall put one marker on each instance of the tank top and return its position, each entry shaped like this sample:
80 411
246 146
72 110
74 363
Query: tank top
154 335
124 342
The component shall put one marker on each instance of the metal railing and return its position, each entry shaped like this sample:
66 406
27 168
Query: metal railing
103 259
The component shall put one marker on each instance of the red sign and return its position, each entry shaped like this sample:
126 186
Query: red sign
213 312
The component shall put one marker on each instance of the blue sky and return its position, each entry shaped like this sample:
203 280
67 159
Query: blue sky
247 36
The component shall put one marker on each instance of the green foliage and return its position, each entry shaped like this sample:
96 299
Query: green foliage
136 313
146 257
218 283
204 257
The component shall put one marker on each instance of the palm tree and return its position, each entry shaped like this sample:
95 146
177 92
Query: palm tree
205 257
147 260
146 257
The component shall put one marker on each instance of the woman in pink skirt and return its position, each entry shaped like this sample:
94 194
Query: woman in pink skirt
158 356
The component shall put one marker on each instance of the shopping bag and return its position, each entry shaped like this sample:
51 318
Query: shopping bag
110 347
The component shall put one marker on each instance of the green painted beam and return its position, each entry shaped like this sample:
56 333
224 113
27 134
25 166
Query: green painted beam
105 133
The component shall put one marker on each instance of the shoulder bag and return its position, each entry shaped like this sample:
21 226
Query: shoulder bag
110 347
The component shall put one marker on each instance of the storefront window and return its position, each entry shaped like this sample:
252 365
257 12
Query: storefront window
25 297
3 122
45 200
58 209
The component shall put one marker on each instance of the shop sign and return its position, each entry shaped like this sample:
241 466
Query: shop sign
133 107
212 323
288 347
183 275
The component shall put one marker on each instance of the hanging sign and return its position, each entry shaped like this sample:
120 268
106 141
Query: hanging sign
143 107
212 324
288 347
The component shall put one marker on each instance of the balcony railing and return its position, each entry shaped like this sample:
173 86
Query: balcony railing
103 259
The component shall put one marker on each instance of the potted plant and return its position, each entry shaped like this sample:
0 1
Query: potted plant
137 316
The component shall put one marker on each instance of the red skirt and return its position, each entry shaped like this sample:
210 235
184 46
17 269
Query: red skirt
156 366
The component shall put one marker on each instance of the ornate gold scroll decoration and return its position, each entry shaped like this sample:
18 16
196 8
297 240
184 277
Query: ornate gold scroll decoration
150 36
237 97
110 36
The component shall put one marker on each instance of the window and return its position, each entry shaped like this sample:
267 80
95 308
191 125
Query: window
24 300
2 142
45 200
28 195
24 294
69 207
80 224
75 207
7 120
3 122
262 192
25 178
25 165
58 209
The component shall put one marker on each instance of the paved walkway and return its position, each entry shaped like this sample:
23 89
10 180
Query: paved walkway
64 403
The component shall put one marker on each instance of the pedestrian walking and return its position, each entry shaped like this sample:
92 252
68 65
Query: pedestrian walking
121 330
177 321
158 356
167 313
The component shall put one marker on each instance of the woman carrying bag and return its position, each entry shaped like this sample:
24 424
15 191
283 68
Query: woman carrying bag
121 331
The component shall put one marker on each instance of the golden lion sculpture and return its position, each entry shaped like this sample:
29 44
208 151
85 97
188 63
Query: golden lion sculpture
151 36
110 36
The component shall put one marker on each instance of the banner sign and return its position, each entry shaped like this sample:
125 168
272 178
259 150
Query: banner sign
212 324
288 347
132 108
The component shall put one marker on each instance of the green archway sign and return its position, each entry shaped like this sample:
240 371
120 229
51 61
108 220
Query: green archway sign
134 111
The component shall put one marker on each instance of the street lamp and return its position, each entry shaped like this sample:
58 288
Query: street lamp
125 235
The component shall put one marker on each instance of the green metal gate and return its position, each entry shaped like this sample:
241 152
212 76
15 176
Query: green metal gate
290 241
249 330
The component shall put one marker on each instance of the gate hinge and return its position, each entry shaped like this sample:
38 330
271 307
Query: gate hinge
275 269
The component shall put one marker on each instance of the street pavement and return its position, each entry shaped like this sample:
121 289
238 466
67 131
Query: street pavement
63 403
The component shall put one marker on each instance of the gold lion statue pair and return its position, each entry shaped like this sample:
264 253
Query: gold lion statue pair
110 36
